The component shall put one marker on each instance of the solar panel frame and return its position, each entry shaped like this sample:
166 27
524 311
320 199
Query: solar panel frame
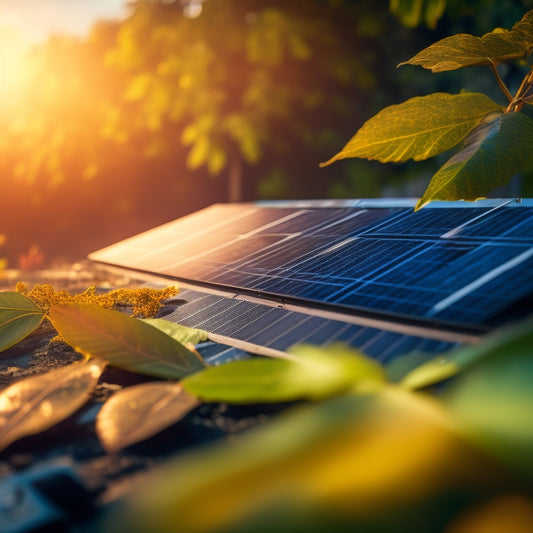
371 263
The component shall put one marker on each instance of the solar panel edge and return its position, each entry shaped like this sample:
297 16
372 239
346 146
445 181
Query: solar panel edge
250 277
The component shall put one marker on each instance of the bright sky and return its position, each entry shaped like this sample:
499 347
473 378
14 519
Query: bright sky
34 20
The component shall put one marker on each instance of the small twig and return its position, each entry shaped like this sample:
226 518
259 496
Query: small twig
518 101
501 84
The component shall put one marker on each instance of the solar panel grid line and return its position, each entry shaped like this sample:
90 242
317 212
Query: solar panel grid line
250 347
388 348
479 282
386 221
335 223
251 311
424 224
279 253
385 261
170 229
455 231
516 224
265 227
214 309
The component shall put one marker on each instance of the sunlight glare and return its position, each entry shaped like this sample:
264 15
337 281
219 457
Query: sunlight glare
13 50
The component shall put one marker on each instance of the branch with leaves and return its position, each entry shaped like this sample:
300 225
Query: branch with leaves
497 141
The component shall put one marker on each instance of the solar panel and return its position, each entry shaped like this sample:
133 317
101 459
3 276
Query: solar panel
372 273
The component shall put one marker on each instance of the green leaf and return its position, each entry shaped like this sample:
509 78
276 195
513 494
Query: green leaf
19 316
135 413
182 334
514 339
493 401
124 341
434 9
494 152
465 50
401 366
419 128
312 373
410 12
524 29
39 402
354 458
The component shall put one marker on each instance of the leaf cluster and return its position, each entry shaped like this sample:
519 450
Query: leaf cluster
357 407
365 429
497 141
369 448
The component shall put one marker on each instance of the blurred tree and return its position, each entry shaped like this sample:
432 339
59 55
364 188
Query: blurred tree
123 130
227 83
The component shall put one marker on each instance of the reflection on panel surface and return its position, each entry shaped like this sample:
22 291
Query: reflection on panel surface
463 263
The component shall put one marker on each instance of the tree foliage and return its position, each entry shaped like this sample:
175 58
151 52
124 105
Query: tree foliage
498 141
226 80
123 130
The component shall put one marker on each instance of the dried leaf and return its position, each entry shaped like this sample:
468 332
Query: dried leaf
19 316
124 341
136 413
39 402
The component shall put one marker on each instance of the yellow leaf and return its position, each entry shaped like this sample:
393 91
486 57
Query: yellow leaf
418 128
136 413
39 402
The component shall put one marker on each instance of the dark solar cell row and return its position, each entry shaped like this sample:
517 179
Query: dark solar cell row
382 259
430 223
280 329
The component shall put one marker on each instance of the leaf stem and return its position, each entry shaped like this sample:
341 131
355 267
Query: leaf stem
501 84
521 95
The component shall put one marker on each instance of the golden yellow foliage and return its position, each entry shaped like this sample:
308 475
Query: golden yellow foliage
144 302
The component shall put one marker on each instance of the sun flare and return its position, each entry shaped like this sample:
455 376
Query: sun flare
13 62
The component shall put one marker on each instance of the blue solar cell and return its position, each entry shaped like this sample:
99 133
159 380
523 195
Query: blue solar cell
280 328
465 263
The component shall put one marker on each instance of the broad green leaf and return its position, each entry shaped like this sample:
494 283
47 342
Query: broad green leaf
514 339
124 341
464 50
494 152
419 128
135 413
39 402
493 401
19 316
312 373
524 29
356 457
182 334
